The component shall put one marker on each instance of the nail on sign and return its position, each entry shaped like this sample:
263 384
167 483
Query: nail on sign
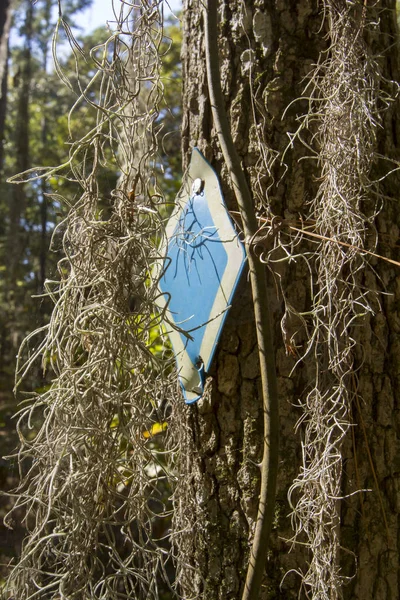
203 262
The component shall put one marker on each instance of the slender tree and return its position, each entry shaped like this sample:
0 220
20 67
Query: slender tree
23 81
5 25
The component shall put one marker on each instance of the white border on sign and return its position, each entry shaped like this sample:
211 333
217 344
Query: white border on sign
188 374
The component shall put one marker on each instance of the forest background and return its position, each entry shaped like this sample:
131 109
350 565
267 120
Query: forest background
34 109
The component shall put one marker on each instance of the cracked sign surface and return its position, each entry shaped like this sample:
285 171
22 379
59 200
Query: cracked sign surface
203 262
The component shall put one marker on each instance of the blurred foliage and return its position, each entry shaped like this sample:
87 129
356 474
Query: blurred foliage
39 132
25 255
51 130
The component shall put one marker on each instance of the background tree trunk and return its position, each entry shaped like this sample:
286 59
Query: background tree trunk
18 199
5 25
275 48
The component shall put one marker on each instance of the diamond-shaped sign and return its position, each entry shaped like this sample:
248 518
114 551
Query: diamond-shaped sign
202 266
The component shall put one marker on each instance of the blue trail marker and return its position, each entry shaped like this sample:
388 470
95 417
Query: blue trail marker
199 274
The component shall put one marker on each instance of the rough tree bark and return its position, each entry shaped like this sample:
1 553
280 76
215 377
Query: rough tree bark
275 46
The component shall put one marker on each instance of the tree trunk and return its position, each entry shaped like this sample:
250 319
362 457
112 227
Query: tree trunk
5 24
266 55
18 199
